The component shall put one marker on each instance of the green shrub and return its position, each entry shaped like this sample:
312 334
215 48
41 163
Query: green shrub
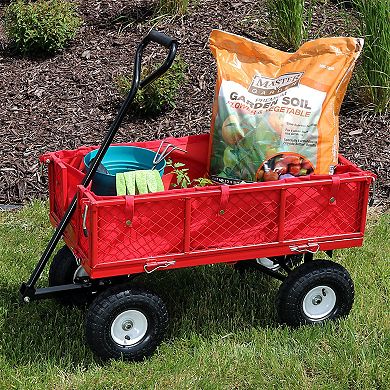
172 7
41 26
291 20
374 72
159 95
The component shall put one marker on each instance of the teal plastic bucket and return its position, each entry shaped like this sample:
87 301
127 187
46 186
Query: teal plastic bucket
120 159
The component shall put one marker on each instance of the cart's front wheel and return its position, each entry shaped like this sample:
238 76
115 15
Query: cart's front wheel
64 270
314 292
126 323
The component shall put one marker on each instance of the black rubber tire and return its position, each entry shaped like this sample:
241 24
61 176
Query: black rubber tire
61 271
306 277
111 303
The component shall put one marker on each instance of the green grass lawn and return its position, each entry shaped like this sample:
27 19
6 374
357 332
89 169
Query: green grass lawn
223 334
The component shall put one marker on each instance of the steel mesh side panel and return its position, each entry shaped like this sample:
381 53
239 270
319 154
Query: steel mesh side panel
57 188
73 179
82 242
310 214
157 228
250 218
349 207
59 207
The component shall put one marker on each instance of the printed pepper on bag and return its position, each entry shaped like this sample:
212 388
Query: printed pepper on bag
275 114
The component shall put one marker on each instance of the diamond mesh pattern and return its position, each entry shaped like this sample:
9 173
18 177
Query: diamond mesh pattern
73 232
309 213
73 179
157 229
250 218
58 206
82 241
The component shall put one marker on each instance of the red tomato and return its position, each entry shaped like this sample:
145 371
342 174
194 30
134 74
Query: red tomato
294 169
259 175
270 176
281 167
290 159
306 165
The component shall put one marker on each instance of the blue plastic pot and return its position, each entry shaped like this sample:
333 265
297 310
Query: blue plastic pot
120 159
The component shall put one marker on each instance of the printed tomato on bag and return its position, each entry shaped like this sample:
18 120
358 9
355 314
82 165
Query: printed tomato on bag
275 114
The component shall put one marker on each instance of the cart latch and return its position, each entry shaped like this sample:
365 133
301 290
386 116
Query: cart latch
154 266
85 230
311 247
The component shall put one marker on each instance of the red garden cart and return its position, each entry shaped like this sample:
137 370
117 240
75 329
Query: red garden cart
275 227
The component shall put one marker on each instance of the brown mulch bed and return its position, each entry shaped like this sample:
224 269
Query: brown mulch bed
70 99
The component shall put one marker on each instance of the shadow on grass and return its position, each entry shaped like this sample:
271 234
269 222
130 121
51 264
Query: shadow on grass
41 332
207 301
215 299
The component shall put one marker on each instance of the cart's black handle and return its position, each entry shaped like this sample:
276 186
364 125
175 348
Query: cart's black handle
27 290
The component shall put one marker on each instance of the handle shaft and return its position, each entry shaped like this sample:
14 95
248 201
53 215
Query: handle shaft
27 290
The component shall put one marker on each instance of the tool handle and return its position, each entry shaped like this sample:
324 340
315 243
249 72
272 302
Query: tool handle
160 38
152 36
163 40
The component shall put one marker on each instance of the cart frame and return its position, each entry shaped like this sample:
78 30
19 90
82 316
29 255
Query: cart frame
111 239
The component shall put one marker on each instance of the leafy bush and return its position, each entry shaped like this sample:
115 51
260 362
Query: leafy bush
172 7
291 20
159 95
41 26
374 75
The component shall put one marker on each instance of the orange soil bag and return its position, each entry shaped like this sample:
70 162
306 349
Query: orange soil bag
275 114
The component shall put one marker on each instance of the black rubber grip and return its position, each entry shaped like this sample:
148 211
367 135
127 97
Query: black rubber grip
160 38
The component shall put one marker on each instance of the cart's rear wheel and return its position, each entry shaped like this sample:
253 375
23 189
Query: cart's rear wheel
314 292
126 323
64 270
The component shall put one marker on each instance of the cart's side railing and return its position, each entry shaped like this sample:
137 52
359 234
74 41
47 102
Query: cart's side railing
129 232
